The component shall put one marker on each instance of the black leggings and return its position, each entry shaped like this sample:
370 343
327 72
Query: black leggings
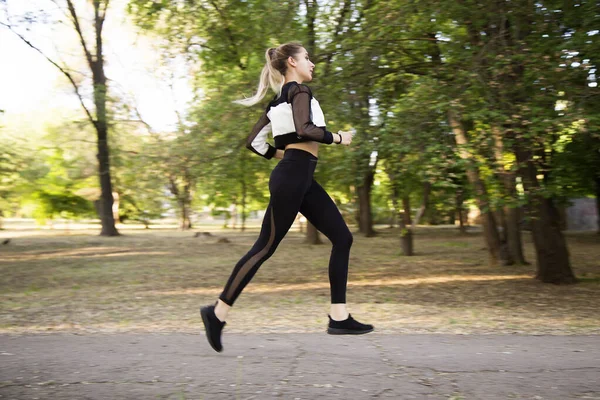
294 190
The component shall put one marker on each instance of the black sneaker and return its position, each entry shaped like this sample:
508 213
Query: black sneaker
213 327
348 326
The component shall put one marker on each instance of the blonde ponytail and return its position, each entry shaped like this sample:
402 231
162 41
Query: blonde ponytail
273 73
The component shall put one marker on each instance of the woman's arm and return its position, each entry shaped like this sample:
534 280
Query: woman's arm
300 97
257 141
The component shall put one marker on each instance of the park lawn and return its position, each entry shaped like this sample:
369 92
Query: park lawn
155 281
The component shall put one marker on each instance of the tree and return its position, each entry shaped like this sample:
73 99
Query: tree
94 56
515 51
496 249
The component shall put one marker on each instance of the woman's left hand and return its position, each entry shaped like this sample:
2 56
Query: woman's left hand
346 137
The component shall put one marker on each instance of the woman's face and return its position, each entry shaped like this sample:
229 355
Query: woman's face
304 67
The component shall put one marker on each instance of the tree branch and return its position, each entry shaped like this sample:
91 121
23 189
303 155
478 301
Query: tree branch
146 124
61 69
100 18
63 12
106 4
75 21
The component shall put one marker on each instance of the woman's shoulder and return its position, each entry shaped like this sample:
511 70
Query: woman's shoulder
296 85
288 91
292 88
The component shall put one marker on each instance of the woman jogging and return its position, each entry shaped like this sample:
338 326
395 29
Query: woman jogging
297 123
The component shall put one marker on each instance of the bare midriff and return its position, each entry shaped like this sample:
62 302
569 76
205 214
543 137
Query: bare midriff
311 147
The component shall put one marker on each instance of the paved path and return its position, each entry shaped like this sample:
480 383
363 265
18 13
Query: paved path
299 366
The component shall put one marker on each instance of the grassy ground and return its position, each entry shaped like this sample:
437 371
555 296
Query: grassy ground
156 280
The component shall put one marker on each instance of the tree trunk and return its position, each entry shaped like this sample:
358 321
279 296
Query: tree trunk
502 223
513 235
511 228
459 211
598 201
407 211
187 200
424 203
101 125
106 216
186 222
406 236
312 234
394 198
311 15
553 265
365 218
183 201
497 252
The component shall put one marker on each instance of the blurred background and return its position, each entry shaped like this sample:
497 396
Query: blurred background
469 115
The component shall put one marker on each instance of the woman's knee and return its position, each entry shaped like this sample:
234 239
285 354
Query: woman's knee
344 239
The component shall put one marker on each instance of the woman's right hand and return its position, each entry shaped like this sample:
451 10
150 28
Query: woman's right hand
346 137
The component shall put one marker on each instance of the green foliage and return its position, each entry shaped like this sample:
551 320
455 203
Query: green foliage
53 191
66 205
390 70
43 177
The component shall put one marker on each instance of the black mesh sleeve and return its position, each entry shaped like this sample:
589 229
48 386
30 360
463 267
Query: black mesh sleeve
257 141
300 97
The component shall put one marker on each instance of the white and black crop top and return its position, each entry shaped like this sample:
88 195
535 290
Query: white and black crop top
293 117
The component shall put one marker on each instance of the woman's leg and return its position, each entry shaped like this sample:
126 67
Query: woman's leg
289 181
322 212
278 219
